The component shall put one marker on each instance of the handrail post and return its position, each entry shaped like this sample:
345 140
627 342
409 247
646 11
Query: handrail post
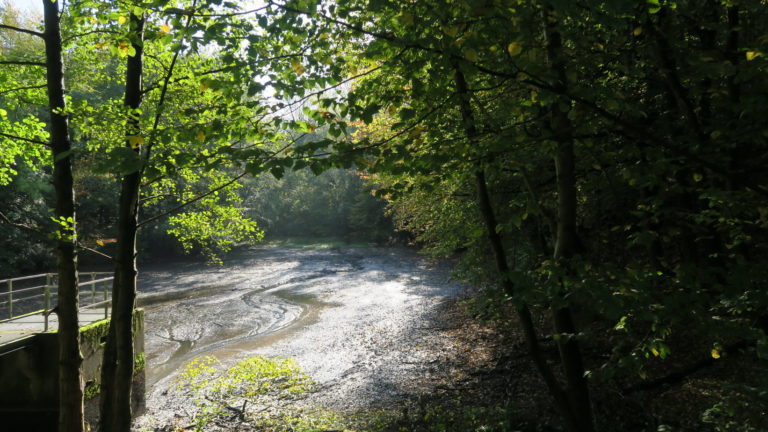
46 299
10 299
93 288
106 310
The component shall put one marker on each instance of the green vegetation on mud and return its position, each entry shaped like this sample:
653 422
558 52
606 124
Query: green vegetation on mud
222 396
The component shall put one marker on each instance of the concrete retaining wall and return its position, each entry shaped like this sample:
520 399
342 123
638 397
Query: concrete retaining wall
29 377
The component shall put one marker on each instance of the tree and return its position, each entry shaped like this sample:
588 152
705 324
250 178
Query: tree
567 119
17 144
70 359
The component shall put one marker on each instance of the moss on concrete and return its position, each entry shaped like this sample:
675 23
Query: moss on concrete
139 362
92 390
94 332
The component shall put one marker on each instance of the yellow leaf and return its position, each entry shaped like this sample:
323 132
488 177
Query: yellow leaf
135 141
751 55
715 353
200 135
165 28
122 20
655 352
514 48
637 31
123 48
99 242
297 67
697 177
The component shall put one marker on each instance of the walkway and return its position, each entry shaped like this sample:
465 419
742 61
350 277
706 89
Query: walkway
26 299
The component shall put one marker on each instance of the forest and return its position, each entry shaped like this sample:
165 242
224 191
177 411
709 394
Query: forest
596 167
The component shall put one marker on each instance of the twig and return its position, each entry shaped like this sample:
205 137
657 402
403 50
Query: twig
79 245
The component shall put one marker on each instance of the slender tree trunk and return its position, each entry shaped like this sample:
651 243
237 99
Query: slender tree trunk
117 376
70 359
567 241
485 205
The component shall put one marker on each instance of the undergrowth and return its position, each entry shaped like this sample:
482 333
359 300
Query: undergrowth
256 392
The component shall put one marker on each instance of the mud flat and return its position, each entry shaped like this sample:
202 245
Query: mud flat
349 317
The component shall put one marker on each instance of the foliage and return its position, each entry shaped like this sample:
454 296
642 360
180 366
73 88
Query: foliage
334 203
251 379
660 102
658 105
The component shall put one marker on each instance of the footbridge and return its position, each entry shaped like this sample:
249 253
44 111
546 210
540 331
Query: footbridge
29 354
28 303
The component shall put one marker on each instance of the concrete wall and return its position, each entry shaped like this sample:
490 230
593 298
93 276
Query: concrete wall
29 377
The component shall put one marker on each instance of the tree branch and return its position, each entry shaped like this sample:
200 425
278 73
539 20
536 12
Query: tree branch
69 38
23 88
163 92
29 140
5 219
177 11
191 201
21 63
214 190
21 30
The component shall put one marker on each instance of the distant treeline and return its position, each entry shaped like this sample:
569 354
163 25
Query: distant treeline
335 203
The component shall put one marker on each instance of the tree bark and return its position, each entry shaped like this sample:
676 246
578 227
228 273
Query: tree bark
567 240
117 372
70 359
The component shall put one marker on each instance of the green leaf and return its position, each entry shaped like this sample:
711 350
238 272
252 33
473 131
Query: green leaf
124 161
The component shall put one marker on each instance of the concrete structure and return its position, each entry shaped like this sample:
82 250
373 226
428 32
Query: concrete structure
28 326
29 372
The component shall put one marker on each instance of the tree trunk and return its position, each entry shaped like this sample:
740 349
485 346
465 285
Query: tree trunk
117 373
562 402
70 359
567 241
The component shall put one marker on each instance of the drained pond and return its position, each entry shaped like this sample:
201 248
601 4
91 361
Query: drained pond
347 316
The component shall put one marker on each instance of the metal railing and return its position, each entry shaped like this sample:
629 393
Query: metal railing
20 299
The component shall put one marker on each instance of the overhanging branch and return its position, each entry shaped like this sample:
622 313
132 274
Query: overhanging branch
21 63
29 140
39 86
22 30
